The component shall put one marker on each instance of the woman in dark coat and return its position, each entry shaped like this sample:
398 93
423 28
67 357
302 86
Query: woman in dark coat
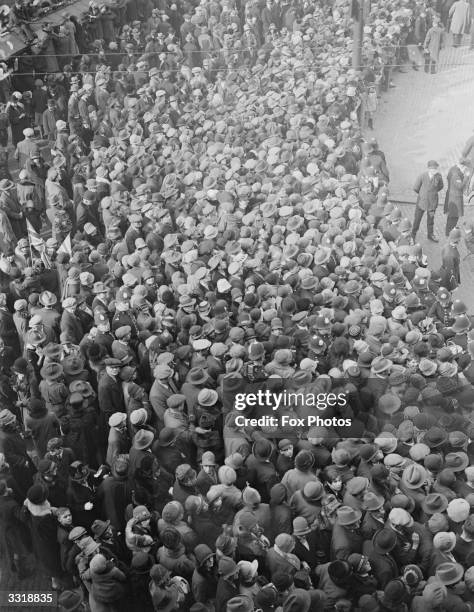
38 514
280 512
15 544
80 495
115 493
13 446
42 424
17 118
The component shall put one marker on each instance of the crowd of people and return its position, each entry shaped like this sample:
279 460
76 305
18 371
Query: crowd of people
220 225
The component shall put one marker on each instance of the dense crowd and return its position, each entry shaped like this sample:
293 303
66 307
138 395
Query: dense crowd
219 225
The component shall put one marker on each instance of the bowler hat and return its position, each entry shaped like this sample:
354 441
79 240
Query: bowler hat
300 526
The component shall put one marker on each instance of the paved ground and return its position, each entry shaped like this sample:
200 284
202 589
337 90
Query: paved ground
429 117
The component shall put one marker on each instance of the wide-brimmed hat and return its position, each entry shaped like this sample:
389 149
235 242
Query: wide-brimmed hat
372 502
99 287
414 476
449 573
72 365
347 515
52 351
143 439
434 502
384 541
427 367
70 601
167 436
321 256
461 324
196 376
380 364
435 437
456 462
389 403
47 298
52 371
99 527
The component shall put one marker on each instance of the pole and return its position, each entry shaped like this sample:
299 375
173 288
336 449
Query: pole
29 242
357 32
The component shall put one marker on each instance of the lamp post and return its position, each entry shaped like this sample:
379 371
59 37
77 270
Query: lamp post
357 14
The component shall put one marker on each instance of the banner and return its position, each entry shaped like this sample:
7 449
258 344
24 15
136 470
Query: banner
66 246
37 243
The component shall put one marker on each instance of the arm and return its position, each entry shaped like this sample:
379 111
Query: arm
417 185
118 574
135 539
427 39
468 146
424 551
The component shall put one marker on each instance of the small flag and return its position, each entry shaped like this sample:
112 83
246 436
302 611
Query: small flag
66 246
37 243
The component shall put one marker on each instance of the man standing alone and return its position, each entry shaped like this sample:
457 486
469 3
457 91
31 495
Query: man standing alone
458 176
451 261
427 186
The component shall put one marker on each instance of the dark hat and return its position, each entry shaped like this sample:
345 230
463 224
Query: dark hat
435 437
347 515
159 573
167 436
196 376
384 541
227 567
394 595
111 362
36 494
77 470
262 448
70 601
99 527
339 570
457 462
304 460
51 371
368 451
434 502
